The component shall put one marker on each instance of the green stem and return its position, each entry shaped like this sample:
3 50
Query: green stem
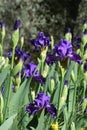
10 84
60 90
12 62
74 101
84 89
2 47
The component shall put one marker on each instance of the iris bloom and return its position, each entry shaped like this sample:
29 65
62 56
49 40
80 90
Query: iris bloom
30 70
61 51
42 101
19 54
40 41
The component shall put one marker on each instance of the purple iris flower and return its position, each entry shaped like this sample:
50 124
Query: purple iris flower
17 24
40 41
50 59
75 57
40 79
30 70
20 54
42 101
63 49
2 24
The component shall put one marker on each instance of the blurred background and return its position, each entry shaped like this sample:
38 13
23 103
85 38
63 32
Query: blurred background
50 16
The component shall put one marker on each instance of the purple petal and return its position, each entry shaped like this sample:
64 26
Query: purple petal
52 110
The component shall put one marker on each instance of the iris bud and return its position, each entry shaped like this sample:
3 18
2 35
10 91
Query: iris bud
84 104
52 42
43 53
18 67
33 94
84 25
64 95
73 76
15 35
18 79
52 84
22 42
68 35
46 70
15 38
2 24
72 126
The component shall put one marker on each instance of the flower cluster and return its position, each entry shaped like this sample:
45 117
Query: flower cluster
42 101
19 54
61 51
40 41
30 69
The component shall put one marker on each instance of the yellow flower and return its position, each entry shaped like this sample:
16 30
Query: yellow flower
54 126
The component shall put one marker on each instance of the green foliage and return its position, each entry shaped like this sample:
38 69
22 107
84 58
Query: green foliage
7 124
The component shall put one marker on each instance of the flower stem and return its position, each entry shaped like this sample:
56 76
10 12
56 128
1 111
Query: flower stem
10 84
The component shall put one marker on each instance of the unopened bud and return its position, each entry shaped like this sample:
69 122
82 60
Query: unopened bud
84 25
68 35
15 35
52 84
73 126
73 76
15 38
64 95
2 61
2 24
46 70
33 94
43 53
18 67
62 71
18 79
1 102
85 76
52 42
22 42
84 104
